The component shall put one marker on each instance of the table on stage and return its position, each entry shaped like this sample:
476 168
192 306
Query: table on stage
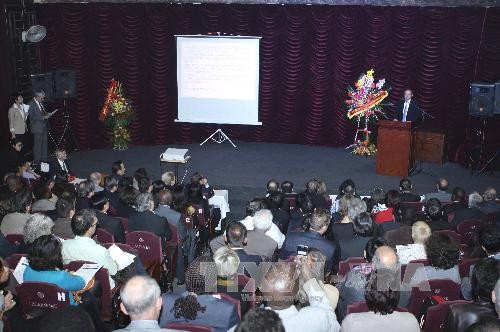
220 199
176 164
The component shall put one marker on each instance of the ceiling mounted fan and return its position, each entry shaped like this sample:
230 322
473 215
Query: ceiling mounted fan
33 34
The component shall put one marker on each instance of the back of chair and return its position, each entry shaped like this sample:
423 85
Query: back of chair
15 239
417 206
189 327
13 260
148 245
445 288
230 299
103 236
124 222
249 288
41 296
363 307
465 264
469 228
292 202
408 270
436 316
200 214
175 239
450 216
102 276
454 235
348 264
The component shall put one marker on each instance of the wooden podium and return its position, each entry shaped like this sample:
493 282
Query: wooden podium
394 148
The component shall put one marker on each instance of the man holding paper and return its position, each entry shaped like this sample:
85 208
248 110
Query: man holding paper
38 124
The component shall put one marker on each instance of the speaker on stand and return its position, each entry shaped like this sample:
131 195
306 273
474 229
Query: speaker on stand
65 89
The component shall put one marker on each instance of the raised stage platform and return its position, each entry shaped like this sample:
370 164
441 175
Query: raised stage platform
245 170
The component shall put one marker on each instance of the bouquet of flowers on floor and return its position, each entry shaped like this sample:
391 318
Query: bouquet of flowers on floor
365 103
117 114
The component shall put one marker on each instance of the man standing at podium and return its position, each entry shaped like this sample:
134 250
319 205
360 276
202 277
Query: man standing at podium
408 109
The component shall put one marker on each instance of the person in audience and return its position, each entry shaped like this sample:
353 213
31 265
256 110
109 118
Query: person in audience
207 191
83 247
113 225
405 188
392 201
127 202
14 222
472 212
303 208
402 235
142 301
435 216
145 185
139 174
272 187
489 240
317 260
169 179
164 209
258 243
236 239
462 315
96 178
443 254
376 202
420 233
349 207
313 190
287 189
313 238
84 191
491 204
347 188
6 248
363 229
378 255
118 170
46 265
442 193
110 190
280 210
197 305
61 184
44 200
382 296
146 220
158 185
60 164
65 208
227 263
262 320
12 157
72 318
36 226
457 201
279 288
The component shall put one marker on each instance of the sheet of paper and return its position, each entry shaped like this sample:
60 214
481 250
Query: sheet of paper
44 167
410 252
122 258
87 271
19 270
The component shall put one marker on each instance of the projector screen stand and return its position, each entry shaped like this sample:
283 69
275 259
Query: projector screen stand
219 137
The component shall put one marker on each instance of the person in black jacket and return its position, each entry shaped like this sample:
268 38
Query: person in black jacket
60 163
405 188
113 225
363 227
457 201
407 109
280 211
436 218
146 220
472 212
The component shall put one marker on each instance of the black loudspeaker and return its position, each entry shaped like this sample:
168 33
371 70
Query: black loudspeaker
43 82
65 86
482 96
496 108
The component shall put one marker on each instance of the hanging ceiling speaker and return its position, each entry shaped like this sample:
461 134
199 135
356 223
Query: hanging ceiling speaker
34 34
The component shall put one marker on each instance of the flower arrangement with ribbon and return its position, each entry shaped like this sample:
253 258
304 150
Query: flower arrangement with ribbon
365 102
117 114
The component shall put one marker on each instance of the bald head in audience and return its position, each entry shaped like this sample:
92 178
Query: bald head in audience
385 258
141 298
442 184
280 285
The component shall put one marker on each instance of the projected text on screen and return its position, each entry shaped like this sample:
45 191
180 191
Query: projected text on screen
218 70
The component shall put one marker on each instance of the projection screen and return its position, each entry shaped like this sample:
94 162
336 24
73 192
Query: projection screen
218 79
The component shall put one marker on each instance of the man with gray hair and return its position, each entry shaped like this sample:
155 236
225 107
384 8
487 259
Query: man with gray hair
259 243
142 301
38 124
471 212
491 203
96 178
146 220
36 226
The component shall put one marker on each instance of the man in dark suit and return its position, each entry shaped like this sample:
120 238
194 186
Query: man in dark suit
146 220
60 164
313 238
65 208
38 124
405 187
118 170
100 203
472 212
236 239
408 109
457 201
110 190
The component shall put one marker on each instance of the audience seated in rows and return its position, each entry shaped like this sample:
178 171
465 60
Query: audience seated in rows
470 212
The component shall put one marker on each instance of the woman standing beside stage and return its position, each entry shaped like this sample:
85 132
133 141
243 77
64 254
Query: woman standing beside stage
17 118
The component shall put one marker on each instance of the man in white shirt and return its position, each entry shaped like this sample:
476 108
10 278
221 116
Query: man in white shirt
279 288
83 247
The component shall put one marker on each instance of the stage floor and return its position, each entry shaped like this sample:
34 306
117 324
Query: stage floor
245 170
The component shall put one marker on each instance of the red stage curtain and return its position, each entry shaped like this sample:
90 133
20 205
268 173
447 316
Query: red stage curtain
309 55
